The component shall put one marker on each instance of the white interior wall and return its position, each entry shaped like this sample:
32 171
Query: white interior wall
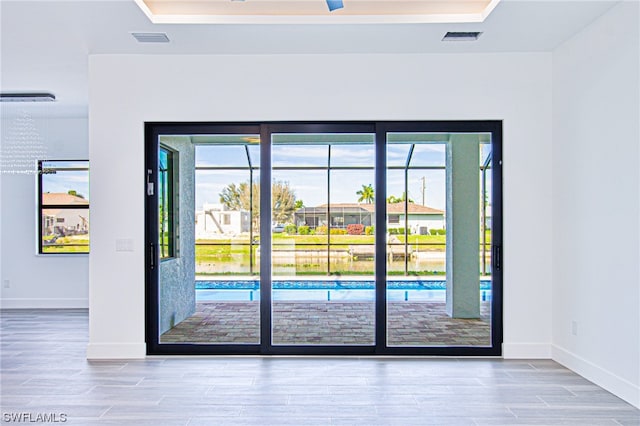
126 91
595 105
30 280
596 158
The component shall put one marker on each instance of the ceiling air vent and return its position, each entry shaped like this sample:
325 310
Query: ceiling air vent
461 36
151 37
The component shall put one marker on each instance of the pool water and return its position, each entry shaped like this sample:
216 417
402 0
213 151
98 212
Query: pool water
329 290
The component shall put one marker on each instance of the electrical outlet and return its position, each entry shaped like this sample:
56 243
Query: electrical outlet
574 328
6 284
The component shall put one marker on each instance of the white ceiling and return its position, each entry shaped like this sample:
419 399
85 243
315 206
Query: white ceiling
45 44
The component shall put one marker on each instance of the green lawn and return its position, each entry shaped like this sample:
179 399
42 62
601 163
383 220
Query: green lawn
355 239
221 253
282 238
235 251
310 241
70 244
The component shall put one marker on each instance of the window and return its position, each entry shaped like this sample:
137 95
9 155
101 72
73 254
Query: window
394 218
63 206
166 205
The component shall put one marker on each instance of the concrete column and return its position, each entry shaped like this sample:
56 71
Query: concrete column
463 226
177 275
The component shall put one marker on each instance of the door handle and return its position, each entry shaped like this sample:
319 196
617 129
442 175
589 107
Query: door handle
152 255
149 182
497 258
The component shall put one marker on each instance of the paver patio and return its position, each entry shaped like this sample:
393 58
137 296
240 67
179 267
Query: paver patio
335 323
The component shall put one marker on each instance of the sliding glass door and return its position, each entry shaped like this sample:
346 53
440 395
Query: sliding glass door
439 277
323 250
206 262
324 238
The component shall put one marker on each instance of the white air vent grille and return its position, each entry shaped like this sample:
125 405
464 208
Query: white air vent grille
461 36
151 37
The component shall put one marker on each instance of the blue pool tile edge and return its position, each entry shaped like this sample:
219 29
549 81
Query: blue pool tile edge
327 285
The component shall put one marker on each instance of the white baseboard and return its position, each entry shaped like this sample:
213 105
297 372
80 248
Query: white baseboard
24 303
526 350
618 386
116 351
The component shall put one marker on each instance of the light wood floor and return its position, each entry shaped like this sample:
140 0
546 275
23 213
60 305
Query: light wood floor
44 372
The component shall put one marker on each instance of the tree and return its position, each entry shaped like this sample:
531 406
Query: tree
394 200
232 194
283 202
366 194
239 197
299 204
75 193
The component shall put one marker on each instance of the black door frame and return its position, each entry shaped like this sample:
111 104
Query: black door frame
154 130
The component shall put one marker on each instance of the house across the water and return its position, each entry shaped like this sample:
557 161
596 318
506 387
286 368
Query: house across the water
217 220
420 219
64 221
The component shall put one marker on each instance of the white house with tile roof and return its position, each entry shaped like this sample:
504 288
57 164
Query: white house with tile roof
421 219
57 219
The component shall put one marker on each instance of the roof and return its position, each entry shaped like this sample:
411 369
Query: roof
358 207
60 198
343 208
413 208
350 206
63 212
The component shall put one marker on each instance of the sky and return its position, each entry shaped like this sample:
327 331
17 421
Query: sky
311 185
308 185
62 181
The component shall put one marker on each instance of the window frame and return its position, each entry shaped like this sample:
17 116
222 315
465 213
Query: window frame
153 132
394 219
41 171
172 169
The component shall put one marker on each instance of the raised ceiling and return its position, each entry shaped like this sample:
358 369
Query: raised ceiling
316 11
45 45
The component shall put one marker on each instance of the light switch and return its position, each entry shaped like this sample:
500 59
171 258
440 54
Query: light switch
124 244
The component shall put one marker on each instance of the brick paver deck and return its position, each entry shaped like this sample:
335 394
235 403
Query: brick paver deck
336 323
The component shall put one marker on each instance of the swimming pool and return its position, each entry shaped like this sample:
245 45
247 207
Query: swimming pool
328 290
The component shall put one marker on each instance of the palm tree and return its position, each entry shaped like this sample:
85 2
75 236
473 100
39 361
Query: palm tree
366 194
392 199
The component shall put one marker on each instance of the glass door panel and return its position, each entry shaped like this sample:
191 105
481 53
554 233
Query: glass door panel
439 239
322 257
219 229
